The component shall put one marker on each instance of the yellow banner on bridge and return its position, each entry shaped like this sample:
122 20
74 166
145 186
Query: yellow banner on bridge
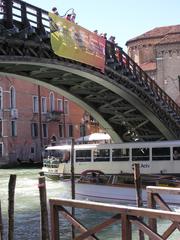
72 41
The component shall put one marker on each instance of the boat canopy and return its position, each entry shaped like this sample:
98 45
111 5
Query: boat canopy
68 147
94 137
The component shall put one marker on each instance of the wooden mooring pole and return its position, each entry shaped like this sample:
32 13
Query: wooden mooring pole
44 210
72 183
1 224
11 192
138 186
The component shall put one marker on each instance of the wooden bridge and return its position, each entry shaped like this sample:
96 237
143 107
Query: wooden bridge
123 99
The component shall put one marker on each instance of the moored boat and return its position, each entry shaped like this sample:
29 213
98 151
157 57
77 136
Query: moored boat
96 186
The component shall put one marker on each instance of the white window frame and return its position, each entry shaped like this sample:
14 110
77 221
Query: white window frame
1 98
51 102
33 130
13 128
1 132
68 128
1 153
35 104
43 105
46 127
12 97
66 107
60 104
62 128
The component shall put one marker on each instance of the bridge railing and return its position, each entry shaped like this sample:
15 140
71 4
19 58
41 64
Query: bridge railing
120 59
21 15
17 13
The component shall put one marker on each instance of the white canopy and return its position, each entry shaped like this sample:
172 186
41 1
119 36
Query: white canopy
94 137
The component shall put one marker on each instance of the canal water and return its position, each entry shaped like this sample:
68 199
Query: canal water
27 208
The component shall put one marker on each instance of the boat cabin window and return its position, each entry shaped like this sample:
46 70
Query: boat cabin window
83 155
120 154
140 154
176 153
101 155
52 158
54 153
161 154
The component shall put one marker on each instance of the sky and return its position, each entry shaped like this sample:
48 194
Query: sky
123 19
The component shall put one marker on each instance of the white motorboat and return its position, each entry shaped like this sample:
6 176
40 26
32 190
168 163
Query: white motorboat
93 185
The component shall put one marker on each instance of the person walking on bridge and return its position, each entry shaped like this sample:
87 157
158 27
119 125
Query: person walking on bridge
55 11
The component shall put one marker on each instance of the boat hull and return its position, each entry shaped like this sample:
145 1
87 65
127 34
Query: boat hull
115 194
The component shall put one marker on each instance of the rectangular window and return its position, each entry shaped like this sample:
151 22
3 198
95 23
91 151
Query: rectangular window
60 105
140 154
44 130
1 128
82 130
34 129
13 129
176 153
43 105
35 104
66 107
1 98
51 99
83 156
61 130
70 130
1 149
32 150
161 154
101 155
120 155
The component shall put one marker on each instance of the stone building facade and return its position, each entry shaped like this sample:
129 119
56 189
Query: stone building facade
32 117
158 53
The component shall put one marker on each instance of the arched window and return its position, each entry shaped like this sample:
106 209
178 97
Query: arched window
51 99
12 97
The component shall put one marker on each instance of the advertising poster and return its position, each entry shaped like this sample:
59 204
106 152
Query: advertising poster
72 41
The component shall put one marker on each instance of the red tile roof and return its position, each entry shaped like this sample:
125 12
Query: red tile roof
159 32
170 38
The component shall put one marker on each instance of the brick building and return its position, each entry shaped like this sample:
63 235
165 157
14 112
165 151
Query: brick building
24 131
158 53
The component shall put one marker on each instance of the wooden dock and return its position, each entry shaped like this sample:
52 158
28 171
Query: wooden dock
125 215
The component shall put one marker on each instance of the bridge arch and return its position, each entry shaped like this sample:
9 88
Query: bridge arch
95 114
75 83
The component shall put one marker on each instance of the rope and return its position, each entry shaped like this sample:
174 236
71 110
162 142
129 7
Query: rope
68 11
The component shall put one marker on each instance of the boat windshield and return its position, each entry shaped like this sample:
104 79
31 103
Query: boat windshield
53 153
55 157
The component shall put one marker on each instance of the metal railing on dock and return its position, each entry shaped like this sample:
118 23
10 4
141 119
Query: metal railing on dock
125 215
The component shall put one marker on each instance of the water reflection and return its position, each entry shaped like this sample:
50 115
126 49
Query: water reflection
27 208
